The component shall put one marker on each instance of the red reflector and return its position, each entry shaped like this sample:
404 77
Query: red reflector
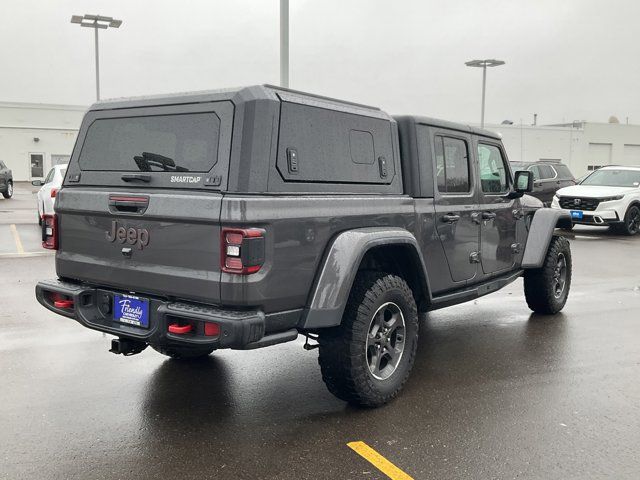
63 303
54 192
211 329
179 329
117 198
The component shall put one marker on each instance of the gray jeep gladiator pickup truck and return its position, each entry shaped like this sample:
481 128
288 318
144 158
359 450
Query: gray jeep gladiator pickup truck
243 218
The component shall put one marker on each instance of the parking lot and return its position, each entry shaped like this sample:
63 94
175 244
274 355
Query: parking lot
496 392
19 231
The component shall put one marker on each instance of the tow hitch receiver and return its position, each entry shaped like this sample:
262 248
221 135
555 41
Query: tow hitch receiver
126 347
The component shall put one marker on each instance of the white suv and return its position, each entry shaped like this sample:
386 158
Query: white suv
609 196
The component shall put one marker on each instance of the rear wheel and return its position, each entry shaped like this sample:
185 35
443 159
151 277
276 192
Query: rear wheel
367 359
8 193
179 353
631 224
546 289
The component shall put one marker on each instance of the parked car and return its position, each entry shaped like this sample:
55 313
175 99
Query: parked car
609 196
548 177
170 234
6 181
48 190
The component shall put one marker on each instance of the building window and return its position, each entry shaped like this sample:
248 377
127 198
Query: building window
37 165
593 167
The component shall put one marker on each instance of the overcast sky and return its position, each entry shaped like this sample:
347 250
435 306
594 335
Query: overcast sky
565 60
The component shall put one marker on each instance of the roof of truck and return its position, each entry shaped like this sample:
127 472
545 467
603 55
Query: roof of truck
461 127
273 92
263 91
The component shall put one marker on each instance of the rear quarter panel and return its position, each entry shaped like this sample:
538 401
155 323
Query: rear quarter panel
299 230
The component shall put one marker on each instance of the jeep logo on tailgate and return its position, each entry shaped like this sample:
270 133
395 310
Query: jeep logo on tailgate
132 236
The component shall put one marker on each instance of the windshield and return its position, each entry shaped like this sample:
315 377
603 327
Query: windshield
170 143
613 178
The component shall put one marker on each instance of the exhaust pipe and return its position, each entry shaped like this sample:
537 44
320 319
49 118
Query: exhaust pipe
126 347
598 220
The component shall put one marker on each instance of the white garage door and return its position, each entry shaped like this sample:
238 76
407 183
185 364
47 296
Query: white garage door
631 154
59 159
599 155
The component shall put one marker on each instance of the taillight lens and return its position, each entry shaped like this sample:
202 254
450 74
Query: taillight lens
242 250
54 192
50 232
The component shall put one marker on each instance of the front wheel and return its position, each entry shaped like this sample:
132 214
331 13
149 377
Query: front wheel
631 224
546 289
8 193
367 359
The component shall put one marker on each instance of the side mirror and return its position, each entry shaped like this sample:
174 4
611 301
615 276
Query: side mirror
37 183
523 181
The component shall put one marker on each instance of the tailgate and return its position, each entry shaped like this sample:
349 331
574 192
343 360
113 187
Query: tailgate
155 241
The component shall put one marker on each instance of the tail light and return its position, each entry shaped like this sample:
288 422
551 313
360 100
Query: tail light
242 250
54 192
50 232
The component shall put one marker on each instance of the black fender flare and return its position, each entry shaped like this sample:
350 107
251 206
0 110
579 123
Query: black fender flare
331 290
543 224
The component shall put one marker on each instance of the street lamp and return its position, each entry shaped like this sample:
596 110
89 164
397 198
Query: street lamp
284 43
96 22
484 64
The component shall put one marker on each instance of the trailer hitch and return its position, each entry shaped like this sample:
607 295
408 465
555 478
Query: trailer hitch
126 347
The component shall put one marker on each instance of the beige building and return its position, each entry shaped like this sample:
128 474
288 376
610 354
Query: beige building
583 146
34 137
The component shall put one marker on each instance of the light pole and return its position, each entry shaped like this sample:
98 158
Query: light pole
284 43
96 22
484 64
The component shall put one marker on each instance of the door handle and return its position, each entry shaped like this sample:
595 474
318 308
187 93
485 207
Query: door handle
488 215
450 218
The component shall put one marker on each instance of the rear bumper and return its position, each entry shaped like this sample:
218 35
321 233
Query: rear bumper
93 306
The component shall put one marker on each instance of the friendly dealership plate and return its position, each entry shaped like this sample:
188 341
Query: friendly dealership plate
576 214
131 310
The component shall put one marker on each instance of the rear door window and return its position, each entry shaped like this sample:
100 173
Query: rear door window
563 171
176 143
546 172
452 165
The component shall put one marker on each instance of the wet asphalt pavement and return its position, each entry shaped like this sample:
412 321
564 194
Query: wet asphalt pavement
495 393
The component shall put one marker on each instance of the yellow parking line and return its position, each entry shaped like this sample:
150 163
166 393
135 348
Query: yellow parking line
378 461
16 238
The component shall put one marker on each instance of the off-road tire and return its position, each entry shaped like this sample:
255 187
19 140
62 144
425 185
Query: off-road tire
630 226
540 284
343 350
8 193
183 353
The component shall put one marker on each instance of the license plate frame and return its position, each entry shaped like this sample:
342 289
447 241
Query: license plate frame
577 214
131 310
